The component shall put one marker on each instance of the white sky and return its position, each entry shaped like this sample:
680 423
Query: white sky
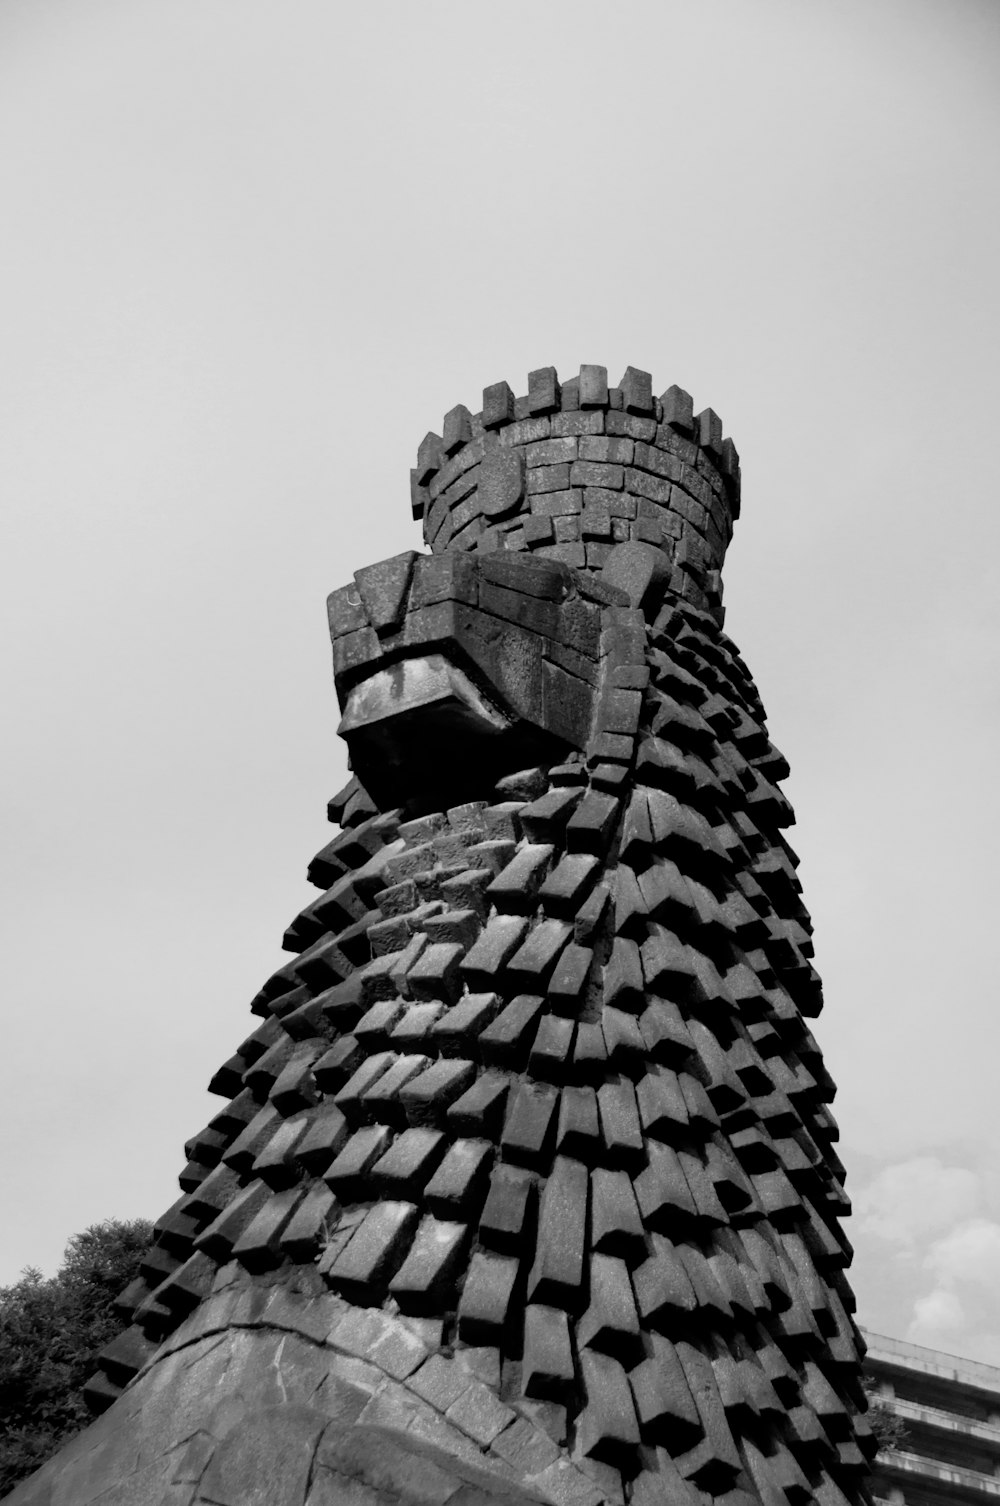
251 251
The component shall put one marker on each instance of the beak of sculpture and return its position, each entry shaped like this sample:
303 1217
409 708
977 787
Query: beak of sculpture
446 678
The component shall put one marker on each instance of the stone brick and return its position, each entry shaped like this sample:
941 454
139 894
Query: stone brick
457 1188
303 1234
480 1109
220 1236
408 1163
486 1298
530 1124
457 1031
479 1414
659 462
367 1261
525 431
410 1031
611 1323
548 478
383 589
498 405
678 409
543 390
557 1275
426 1279
514 887
508 1211
708 426
568 554
563 1485
525 1447
463 460
630 425
566 528
488 957
608 1429
620 1127
637 391
548 1370
457 429
348 1172
507 1040
554 451
440 1382
538 530
435 974
593 386
569 423
550 1054
655 488
606 450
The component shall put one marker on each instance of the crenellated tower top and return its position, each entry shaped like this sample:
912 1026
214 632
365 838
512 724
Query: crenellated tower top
575 467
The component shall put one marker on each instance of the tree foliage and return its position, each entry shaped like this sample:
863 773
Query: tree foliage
51 1330
887 1426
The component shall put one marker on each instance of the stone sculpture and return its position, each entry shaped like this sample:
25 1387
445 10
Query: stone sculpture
524 1189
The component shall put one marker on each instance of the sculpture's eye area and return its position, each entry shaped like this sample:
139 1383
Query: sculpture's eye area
422 731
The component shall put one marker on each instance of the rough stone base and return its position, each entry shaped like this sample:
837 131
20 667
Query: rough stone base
257 1401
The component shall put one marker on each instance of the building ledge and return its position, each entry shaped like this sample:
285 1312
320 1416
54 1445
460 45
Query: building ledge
936 1418
949 1367
953 1482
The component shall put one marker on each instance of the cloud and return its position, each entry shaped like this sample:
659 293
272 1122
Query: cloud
970 1252
928 1253
911 1200
939 1310
964 1302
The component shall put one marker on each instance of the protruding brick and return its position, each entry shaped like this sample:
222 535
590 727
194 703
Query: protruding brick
678 409
557 1275
607 1429
486 1297
427 1275
548 1370
637 391
498 405
364 1266
663 1401
528 1132
543 390
593 391
257 1247
408 1163
457 429
611 1323
430 458
709 430
457 1188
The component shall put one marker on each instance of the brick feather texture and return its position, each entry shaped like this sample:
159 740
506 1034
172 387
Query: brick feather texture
525 1187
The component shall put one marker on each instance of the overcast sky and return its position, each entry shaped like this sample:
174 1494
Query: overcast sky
251 251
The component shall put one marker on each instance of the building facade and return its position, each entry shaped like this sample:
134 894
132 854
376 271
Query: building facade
950 1408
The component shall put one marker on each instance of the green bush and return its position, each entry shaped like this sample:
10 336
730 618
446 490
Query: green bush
888 1428
51 1331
